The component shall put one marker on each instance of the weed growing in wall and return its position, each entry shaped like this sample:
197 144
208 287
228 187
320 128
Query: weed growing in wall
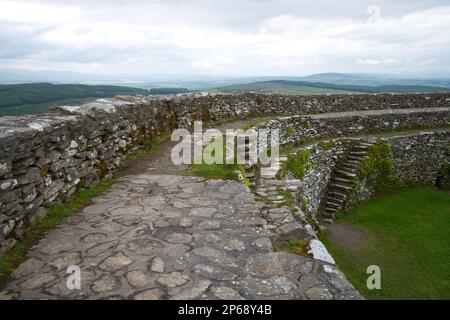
297 164
326 145
306 204
288 197
377 168
375 173
290 132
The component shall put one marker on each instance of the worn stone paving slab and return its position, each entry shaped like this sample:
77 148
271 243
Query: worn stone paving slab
171 237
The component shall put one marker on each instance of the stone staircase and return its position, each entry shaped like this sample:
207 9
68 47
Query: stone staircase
343 180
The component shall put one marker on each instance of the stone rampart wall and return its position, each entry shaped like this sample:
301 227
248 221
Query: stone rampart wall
46 158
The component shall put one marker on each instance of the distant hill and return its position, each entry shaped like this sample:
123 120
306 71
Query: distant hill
161 91
29 93
205 82
305 87
369 79
281 86
37 97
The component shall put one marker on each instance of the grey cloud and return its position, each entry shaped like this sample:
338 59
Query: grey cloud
228 36
17 40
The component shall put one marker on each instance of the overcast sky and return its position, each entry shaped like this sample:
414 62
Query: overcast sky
226 37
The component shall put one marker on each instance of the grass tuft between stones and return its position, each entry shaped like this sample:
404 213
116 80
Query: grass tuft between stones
215 171
297 164
289 243
288 197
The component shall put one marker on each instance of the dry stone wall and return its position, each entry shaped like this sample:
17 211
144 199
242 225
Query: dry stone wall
418 158
334 125
46 158
223 106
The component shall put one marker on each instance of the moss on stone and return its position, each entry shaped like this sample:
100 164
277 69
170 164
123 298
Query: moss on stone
82 182
288 242
445 169
244 175
326 145
44 170
102 166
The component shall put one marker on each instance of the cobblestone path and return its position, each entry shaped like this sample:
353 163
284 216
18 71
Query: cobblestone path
171 237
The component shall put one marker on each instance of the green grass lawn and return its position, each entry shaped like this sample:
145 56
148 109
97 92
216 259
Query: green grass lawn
408 237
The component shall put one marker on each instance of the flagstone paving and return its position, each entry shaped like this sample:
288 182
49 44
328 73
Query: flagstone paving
171 237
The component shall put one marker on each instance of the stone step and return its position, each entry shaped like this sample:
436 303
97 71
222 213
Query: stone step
333 204
345 181
329 215
358 153
341 186
347 173
353 168
329 221
352 165
366 144
339 194
355 158
329 209
340 168
335 199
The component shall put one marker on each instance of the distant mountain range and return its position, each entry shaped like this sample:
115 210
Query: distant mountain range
199 82
305 87
368 79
